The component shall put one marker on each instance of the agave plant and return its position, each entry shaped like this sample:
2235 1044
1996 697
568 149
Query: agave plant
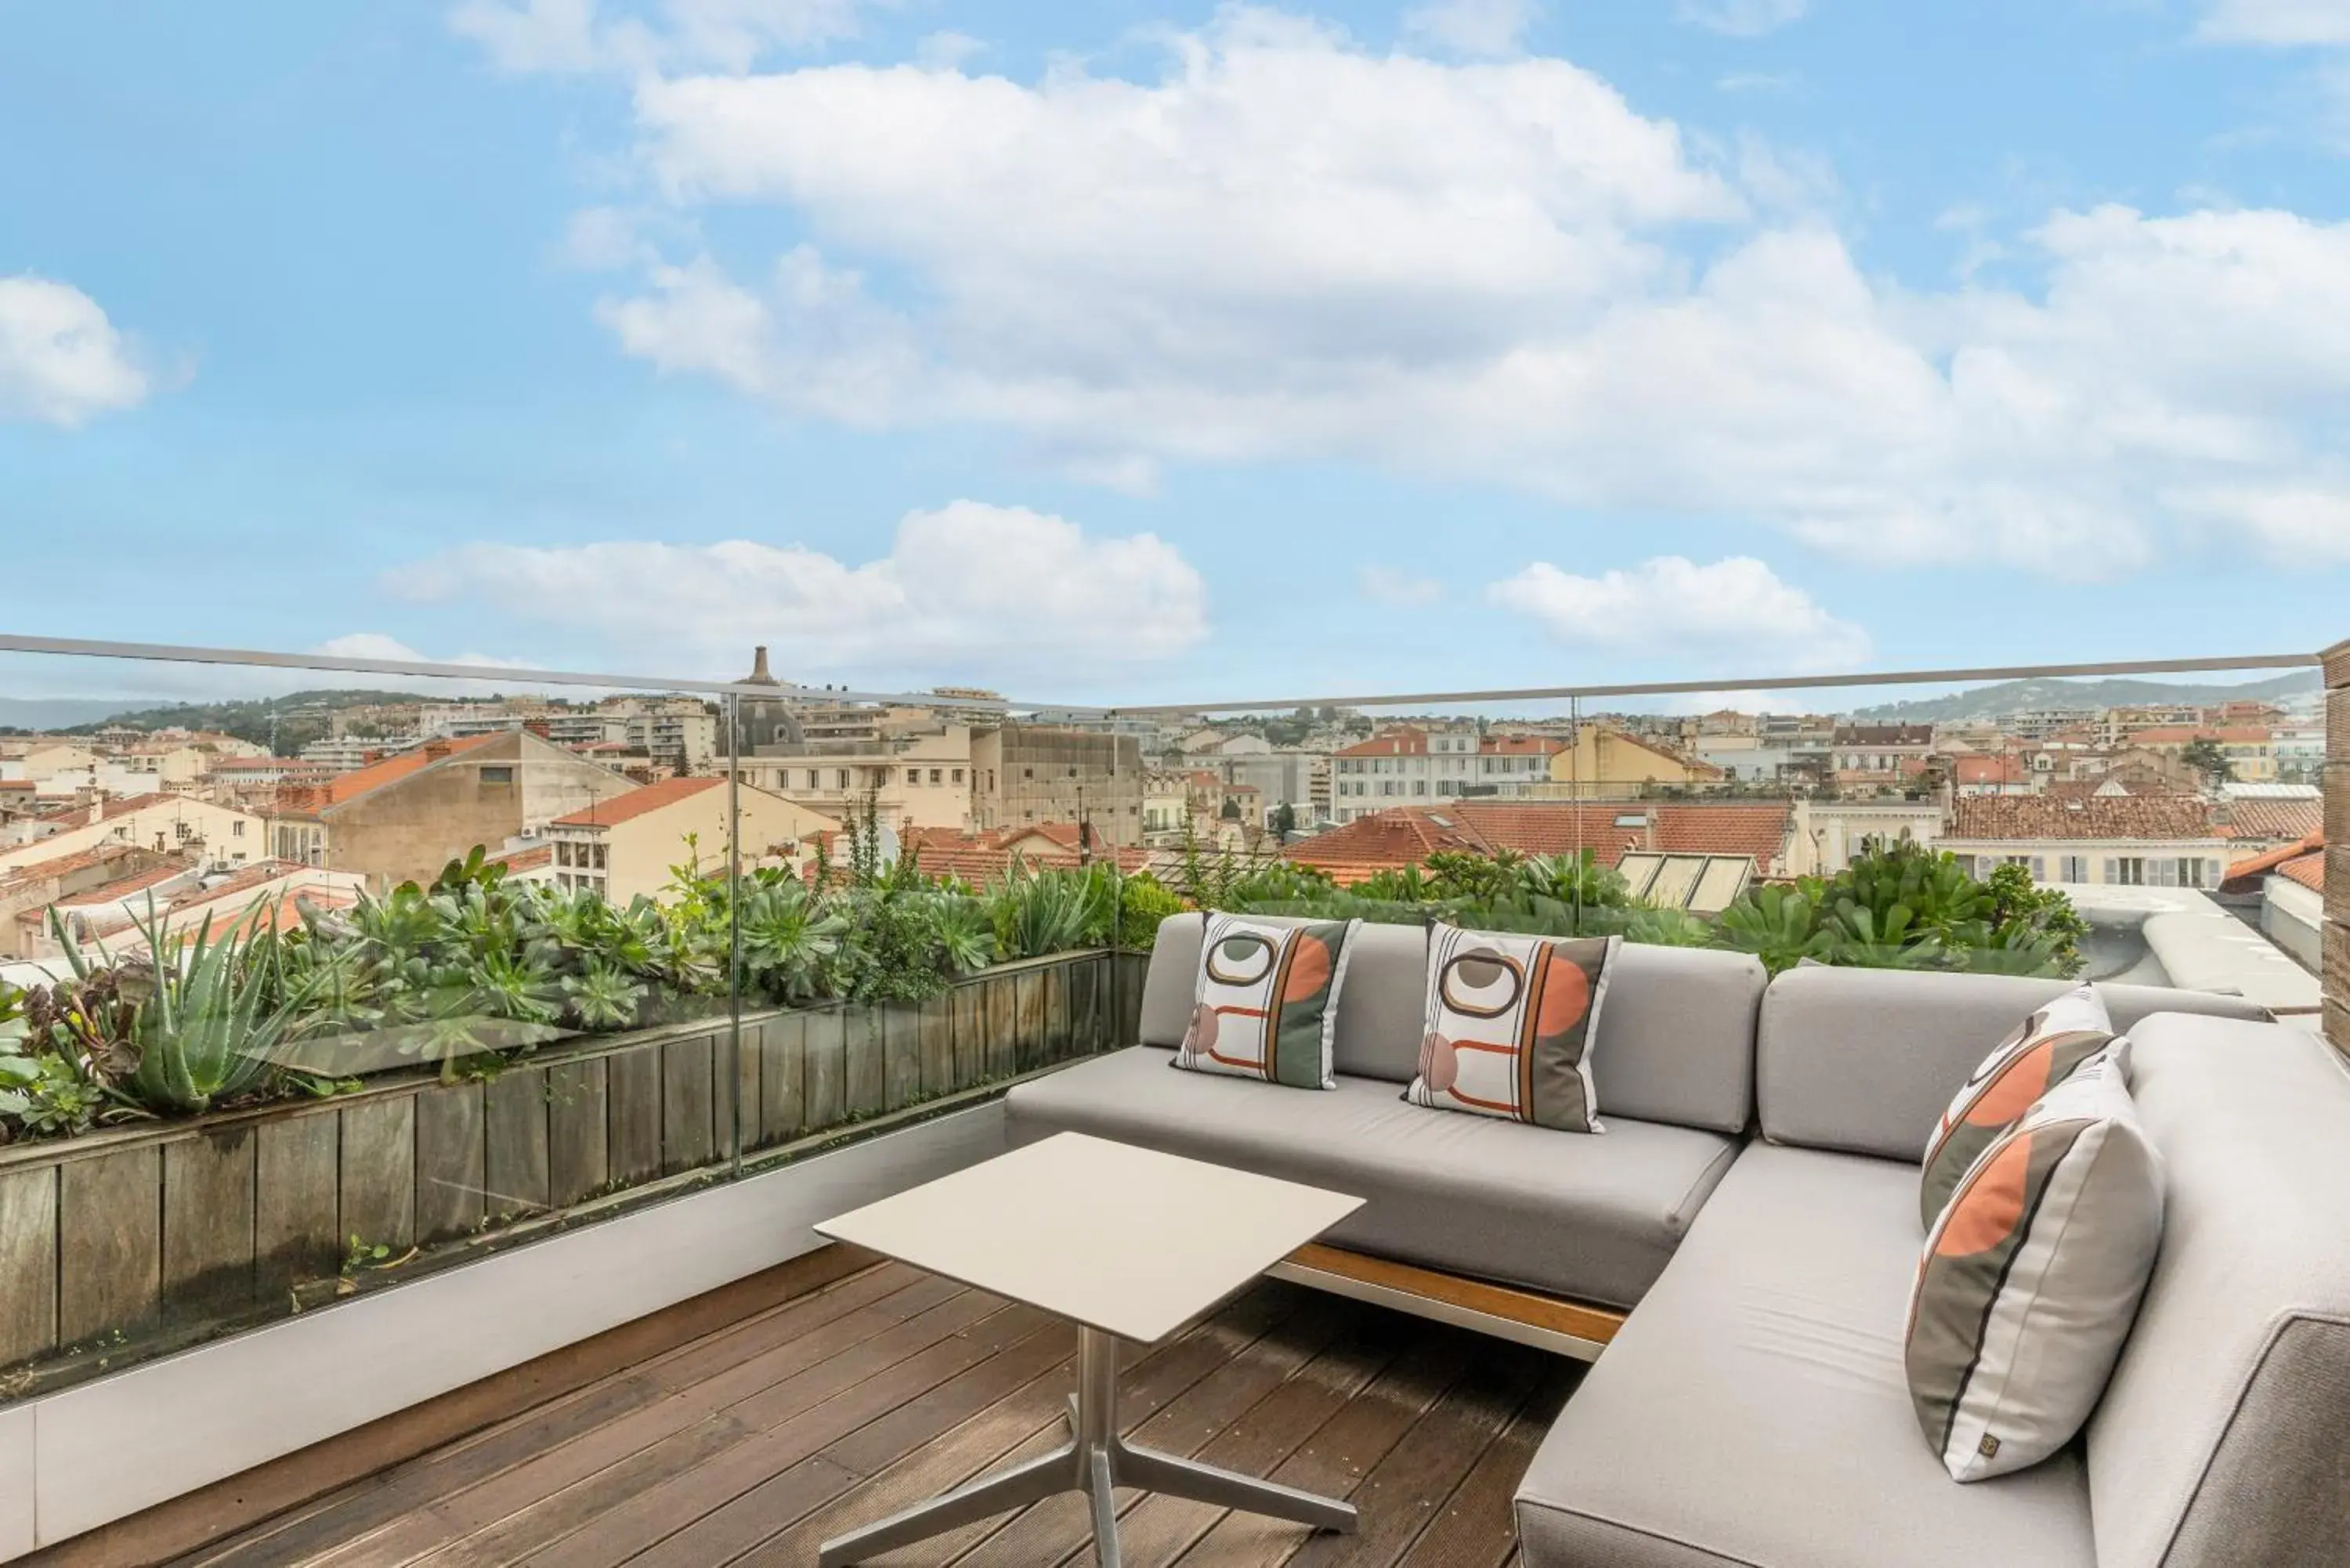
789 941
604 996
209 1017
1778 923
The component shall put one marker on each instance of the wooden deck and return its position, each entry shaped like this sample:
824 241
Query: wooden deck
750 1444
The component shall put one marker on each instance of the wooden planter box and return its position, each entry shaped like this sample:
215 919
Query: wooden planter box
136 1240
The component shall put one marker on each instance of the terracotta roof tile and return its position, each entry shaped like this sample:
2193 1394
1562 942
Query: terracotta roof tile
2257 818
1407 836
636 802
2040 816
2308 870
2243 877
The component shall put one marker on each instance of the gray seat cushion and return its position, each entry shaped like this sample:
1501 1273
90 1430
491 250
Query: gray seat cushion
1676 1039
1865 1060
1754 1410
2224 1435
1592 1217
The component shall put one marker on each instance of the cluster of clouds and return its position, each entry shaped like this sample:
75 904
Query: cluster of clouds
1288 246
1452 258
997 587
61 360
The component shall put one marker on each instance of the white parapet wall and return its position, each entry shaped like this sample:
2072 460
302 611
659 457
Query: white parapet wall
2200 945
104 1451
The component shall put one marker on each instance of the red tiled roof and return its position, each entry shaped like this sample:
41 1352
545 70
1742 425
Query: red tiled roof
2308 870
2041 816
638 801
66 865
2244 874
1407 836
525 859
2273 818
1405 743
982 857
121 886
2003 767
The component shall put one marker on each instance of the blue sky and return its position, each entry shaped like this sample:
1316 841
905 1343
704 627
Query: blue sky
1158 350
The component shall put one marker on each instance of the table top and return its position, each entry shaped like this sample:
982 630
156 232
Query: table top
1129 1240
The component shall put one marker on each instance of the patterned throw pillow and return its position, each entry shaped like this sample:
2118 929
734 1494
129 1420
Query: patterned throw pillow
1510 1022
2044 1050
1265 1004
2031 1277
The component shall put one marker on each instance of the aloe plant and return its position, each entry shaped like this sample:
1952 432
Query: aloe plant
209 1017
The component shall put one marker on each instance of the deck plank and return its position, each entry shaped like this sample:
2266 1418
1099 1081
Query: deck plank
748 1446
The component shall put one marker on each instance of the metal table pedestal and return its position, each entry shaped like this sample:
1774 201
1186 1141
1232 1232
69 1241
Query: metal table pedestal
1095 1459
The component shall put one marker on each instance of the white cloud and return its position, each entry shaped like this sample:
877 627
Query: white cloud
1387 585
579 36
967 587
1288 248
2286 23
1735 607
1741 19
61 360
1478 28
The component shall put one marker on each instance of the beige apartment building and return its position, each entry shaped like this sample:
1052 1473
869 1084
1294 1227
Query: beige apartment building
403 818
1023 773
627 845
920 778
1603 763
162 822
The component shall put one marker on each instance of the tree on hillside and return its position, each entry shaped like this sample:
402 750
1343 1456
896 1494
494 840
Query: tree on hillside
2209 761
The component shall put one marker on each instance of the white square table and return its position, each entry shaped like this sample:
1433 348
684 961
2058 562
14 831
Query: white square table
1129 1245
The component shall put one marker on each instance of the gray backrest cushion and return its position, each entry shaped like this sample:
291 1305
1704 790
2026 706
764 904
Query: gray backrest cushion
2223 1433
1865 1060
1676 1034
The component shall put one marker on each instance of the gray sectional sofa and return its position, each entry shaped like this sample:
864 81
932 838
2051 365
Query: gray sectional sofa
1754 1203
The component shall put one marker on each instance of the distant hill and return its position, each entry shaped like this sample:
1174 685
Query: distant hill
49 712
2011 697
300 717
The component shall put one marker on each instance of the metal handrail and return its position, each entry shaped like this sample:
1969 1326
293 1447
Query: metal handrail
511 674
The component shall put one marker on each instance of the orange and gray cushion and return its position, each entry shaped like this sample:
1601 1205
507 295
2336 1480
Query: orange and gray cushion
1266 1002
1510 1022
2038 1053
2031 1278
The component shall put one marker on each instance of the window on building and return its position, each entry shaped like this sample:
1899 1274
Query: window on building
2190 873
840 778
2073 868
237 828
598 853
2128 870
934 775
2039 868
957 776
497 775
1419 786
913 775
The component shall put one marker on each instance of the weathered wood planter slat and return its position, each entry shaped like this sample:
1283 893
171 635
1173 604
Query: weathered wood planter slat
139 1239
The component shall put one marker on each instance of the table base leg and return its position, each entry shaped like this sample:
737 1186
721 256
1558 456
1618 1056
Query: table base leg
1094 1461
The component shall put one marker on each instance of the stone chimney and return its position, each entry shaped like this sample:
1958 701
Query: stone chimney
97 806
759 675
2334 971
